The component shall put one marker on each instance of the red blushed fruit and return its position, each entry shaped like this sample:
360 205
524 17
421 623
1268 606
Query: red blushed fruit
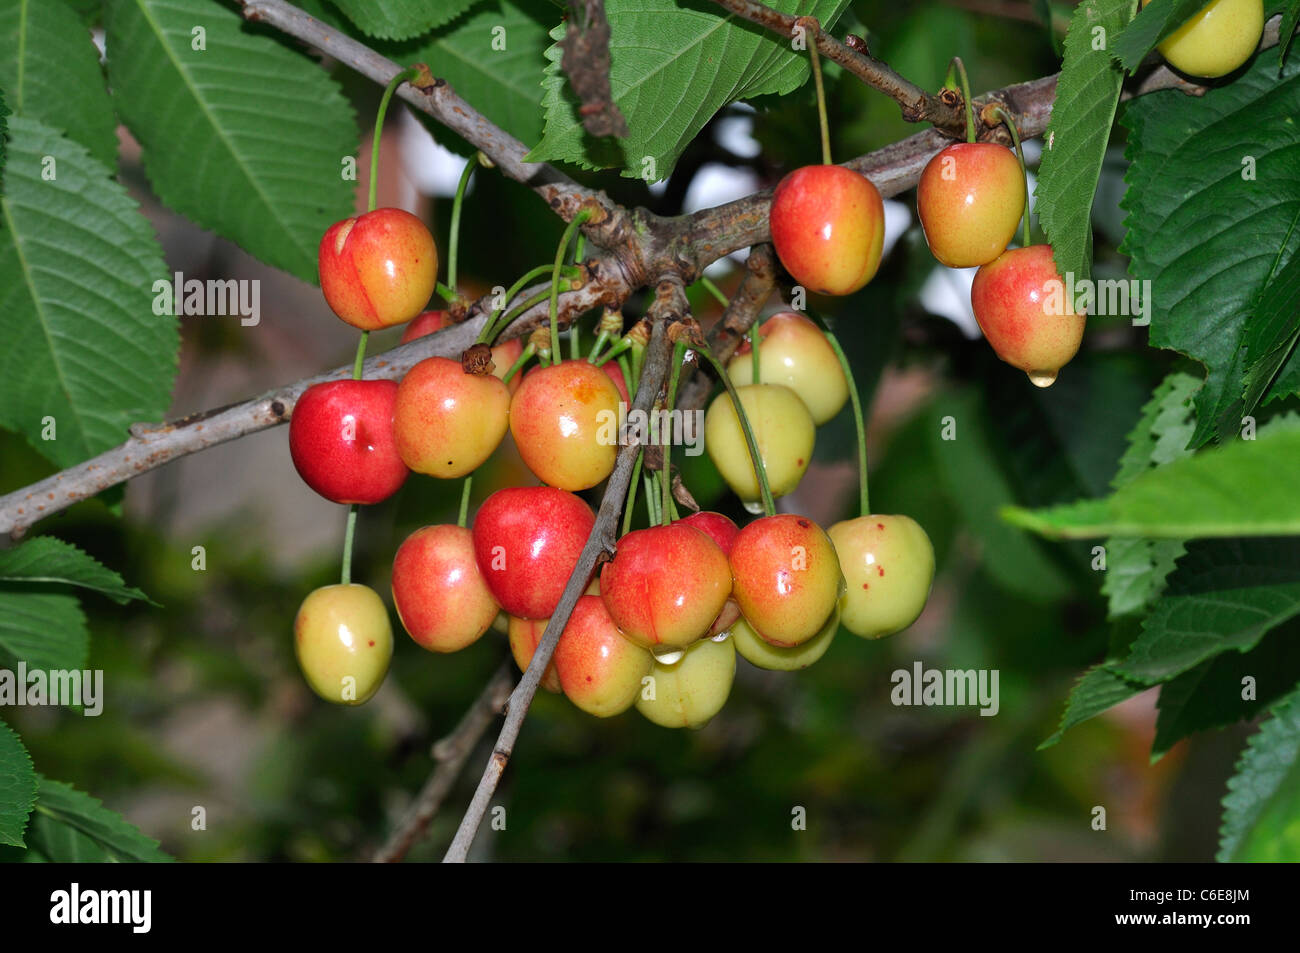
722 531
599 670
440 595
447 422
503 355
786 578
665 585
616 375
564 419
828 226
525 635
378 269
970 199
341 441
527 541
1022 307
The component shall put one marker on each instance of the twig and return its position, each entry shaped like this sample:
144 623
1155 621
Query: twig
450 755
586 62
599 545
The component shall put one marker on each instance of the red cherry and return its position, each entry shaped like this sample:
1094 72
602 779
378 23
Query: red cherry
717 527
440 595
828 226
378 269
525 635
970 200
447 422
616 375
599 670
341 441
787 578
527 541
504 355
564 419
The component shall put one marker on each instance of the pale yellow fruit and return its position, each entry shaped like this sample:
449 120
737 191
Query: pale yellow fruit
777 658
693 689
783 430
1217 40
793 351
344 642
888 565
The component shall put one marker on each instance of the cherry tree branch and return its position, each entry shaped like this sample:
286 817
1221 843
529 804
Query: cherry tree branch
586 62
599 545
449 755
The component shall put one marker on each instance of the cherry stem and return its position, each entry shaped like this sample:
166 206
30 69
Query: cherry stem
445 293
361 356
491 328
651 499
573 343
679 355
524 357
464 501
628 378
756 459
601 340
630 505
346 576
864 505
753 349
714 290
810 30
398 80
579 248
453 238
572 227
1005 117
959 68
615 350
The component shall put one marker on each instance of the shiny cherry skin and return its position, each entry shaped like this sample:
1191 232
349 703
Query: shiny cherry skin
828 226
786 578
690 691
1217 40
794 352
504 355
599 670
774 658
722 531
378 269
783 430
447 422
341 441
525 635
888 565
970 200
564 419
344 642
441 597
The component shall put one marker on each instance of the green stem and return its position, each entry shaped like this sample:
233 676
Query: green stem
453 239
348 534
628 377
601 340
651 498
524 357
760 471
630 505
445 293
821 98
714 290
391 88
679 353
1005 117
864 505
579 248
490 329
572 227
753 351
361 356
464 502
638 360
615 350
960 68
573 343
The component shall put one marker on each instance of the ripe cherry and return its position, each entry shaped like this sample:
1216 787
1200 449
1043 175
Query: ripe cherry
441 597
378 269
689 692
343 642
786 578
527 541
341 441
783 430
722 531
665 585
1217 40
775 658
564 420
447 422
504 354
794 352
888 565
828 226
970 199
1022 307
525 635
599 670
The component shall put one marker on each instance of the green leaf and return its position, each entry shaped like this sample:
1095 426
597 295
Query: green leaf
1136 568
1099 688
1290 19
1086 96
243 136
1234 490
50 67
1210 695
84 354
49 560
1271 333
401 19
1261 812
46 630
672 67
17 787
69 826
1150 27
1225 594
1207 237
4 138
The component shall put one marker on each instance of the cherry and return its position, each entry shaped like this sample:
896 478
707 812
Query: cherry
1217 40
828 226
343 642
564 421
527 541
689 692
793 351
1022 307
765 655
970 199
440 595
447 422
783 430
341 441
504 354
616 375
786 578
888 565
599 670
666 585
525 635
722 531
378 269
